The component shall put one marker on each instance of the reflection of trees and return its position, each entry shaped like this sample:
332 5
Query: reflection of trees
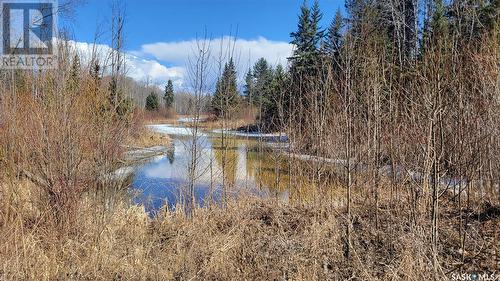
268 171
171 154
308 186
226 156
272 171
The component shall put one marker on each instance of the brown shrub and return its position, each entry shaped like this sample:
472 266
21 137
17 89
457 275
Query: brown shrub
253 239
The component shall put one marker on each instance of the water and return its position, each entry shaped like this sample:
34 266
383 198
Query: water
241 166
244 164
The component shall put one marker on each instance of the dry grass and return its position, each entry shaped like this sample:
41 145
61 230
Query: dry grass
157 117
213 123
254 239
148 138
210 122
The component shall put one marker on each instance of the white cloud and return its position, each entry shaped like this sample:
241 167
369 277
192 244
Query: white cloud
148 64
142 69
246 52
137 68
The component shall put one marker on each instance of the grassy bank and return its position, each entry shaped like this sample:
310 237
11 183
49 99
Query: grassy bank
147 138
253 239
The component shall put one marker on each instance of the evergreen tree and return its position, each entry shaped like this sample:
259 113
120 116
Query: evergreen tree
397 21
307 39
304 40
410 28
226 95
490 16
75 67
262 75
152 102
303 36
305 63
439 22
469 20
316 16
333 40
168 98
118 104
114 94
125 109
95 71
249 86
435 24
274 98
356 10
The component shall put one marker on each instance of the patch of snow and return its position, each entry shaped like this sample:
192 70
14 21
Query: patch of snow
272 137
145 152
120 174
172 130
191 119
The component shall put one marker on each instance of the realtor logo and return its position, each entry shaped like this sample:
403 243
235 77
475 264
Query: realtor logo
28 30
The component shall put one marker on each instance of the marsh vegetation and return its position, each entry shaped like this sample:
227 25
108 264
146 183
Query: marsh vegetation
374 154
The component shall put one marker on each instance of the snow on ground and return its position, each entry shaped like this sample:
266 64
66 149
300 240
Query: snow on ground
191 119
120 174
270 137
400 171
172 130
138 154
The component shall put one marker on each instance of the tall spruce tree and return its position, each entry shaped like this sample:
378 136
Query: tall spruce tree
303 39
249 87
307 39
226 96
439 22
274 98
305 63
316 16
333 40
397 20
435 24
168 98
489 16
410 28
121 105
262 75
356 10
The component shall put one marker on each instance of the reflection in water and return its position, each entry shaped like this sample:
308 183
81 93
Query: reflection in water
171 155
228 167
226 156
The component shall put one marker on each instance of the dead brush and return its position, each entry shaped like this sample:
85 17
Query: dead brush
252 238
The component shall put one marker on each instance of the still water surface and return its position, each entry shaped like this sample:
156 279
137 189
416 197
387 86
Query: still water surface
242 165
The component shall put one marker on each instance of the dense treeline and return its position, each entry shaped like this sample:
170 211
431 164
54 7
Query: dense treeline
410 84
406 87
407 93
402 78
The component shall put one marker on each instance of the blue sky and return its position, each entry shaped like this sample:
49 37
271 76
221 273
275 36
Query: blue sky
160 31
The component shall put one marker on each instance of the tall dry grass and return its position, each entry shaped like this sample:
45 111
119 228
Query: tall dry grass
251 239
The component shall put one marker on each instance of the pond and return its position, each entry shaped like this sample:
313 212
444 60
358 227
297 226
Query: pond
233 165
240 164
